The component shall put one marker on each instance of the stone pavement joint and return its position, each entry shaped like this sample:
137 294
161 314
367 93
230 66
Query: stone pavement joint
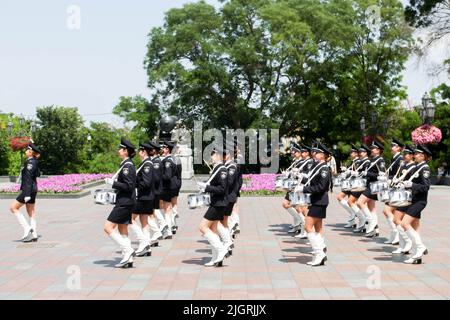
267 263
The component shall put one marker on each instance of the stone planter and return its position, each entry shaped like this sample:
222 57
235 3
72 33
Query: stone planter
13 179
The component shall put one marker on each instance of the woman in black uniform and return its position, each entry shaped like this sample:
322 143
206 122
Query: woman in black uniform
363 164
297 160
145 198
317 184
120 216
157 220
419 184
234 220
217 187
304 167
406 171
366 201
233 189
27 196
354 156
179 172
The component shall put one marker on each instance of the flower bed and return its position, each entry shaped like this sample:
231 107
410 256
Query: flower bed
69 183
259 184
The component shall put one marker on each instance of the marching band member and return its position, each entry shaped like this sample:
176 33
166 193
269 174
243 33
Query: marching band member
145 198
297 159
157 217
304 167
174 201
169 182
366 201
346 204
397 158
233 189
406 171
317 184
120 216
364 164
217 187
29 188
419 183
233 220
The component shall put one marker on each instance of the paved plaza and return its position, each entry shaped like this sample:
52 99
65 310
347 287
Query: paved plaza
74 258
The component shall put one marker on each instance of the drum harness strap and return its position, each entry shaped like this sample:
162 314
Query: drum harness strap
315 172
373 164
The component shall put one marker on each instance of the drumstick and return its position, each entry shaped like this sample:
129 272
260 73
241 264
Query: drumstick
207 164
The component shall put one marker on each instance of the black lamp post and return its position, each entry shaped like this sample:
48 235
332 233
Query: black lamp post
10 127
427 109
362 125
89 139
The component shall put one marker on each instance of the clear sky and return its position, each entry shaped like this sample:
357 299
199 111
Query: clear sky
44 62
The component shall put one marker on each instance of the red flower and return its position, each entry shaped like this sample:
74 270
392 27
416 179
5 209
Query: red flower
19 143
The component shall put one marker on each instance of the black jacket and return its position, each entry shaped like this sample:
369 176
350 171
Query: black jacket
306 165
145 182
362 164
177 161
126 184
29 174
319 184
240 165
375 169
169 174
218 186
157 175
233 182
421 182
395 165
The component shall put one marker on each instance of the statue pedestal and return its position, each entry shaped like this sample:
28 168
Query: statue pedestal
187 161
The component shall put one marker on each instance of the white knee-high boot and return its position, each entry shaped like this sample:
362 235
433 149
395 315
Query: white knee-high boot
215 242
23 223
394 236
361 217
224 235
419 248
407 243
347 208
125 245
137 230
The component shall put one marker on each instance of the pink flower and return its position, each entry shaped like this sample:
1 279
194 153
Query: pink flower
426 134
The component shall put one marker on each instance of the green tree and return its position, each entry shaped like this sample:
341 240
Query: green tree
441 99
100 153
142 114
275 63
60 136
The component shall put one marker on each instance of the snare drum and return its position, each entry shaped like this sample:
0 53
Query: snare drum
400 198
383 196
346 185
358 184
105 196
378 186
289 184
199 200
279 183
300 199
337 181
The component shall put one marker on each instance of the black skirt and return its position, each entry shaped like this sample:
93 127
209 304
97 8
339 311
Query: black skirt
347 192
229 209
286 197
143 207
215 213
369 194
167 195
21 198
415 209
355 194
156 202
121 214
317 211
401 209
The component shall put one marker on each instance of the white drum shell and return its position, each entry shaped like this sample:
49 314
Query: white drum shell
358 184
105 196
300 199
400 198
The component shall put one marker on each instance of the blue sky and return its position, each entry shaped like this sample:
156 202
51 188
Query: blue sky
43 62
